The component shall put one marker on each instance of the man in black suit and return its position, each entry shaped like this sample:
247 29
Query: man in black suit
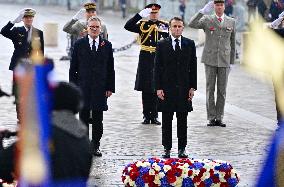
175 75
22 38
92 69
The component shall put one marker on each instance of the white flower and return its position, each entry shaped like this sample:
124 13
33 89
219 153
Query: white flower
145 164
132 183
156 167
129 169
162 175
151 172
167 168
157 180
139 163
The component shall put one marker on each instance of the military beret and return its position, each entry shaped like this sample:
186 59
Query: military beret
90 6
29 12
219 1
154 6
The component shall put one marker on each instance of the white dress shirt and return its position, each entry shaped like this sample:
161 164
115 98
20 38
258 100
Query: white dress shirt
174 43
91 40
222 17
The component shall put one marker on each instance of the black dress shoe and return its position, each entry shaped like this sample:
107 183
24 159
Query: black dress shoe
146 121
97 152
181 154
212 123
220 123
155 121
167 153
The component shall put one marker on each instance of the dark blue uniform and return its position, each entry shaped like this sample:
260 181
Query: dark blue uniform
150 32
19 37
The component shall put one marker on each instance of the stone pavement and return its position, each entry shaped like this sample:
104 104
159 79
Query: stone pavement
249 113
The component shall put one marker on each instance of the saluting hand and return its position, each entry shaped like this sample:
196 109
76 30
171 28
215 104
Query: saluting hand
208 8
276 23
79 14
160 94
145 12
190 94
20 17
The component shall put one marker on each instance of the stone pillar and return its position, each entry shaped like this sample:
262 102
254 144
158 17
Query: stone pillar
50 34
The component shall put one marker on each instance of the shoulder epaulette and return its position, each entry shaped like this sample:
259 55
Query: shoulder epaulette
164 21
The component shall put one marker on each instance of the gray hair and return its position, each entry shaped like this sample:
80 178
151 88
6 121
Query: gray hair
94 18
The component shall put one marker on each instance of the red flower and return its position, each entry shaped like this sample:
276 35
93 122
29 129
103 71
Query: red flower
212 28
224 184
190 172
148 178
202 184
171 178
103 43
196 179
133 175
123 178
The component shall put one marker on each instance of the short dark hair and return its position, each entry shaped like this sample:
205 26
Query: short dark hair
176 19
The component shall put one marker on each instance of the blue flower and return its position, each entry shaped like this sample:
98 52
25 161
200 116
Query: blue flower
225 166
164 182
151 161
197 165
143 171
139 182
187 182
208 182
232 182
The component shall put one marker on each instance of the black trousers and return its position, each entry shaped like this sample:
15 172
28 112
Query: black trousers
149 101
97 125
279 114
15 92
167 118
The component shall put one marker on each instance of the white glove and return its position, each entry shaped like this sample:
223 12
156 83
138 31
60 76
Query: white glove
281 15
145 12
20 17
276 23
80 14
208 8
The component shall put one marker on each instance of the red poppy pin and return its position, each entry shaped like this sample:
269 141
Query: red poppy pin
212 28
103 43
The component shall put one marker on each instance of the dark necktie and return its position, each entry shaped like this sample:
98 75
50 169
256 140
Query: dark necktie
94 46
177 47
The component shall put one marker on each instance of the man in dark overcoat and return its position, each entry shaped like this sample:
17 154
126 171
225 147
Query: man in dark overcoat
150 32
22 38
92 69
175 76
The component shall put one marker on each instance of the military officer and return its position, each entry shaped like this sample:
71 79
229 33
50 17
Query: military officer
150 32
22 38
218 55
78 29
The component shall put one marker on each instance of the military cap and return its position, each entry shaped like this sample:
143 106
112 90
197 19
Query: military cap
154 6
29 12
219 1
90 6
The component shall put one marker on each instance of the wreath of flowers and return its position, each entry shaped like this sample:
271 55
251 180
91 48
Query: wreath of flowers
155 172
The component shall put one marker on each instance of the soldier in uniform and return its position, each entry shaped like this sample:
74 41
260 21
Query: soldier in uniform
78 29
22 38
150 32
218 55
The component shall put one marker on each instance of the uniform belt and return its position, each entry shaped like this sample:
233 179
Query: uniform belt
150 49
